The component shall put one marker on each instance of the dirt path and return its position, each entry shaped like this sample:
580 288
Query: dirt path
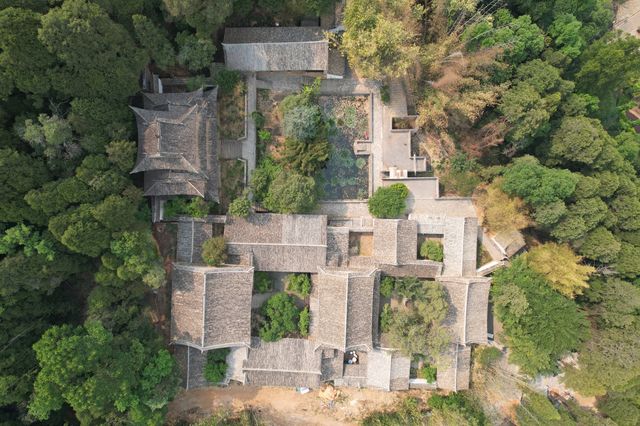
281 406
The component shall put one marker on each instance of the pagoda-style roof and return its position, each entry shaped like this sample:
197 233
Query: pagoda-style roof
177 144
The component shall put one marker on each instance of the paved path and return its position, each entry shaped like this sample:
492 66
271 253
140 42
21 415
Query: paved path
249 144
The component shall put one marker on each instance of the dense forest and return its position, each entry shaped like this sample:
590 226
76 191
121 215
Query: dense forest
521 104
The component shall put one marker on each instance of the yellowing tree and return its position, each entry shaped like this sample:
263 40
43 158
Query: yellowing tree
561 267
501 212
380 37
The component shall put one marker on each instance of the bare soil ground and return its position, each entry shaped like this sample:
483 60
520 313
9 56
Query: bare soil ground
282 406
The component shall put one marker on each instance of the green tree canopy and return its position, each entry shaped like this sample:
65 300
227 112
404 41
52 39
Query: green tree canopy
103 377
291 193
154 41
539 323
281 317
389 201
206 16
85 43
24 61
536 184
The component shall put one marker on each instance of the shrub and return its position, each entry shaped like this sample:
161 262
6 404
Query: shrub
306 158
213 251
303 122
264 136
386 316
262 177
241 206
387 286
385 94
291 193
432 250
488 355
194 52
281 318
194 207
227 80
406 412
461 404
258 118
262 282
303 323
428 372
299 284
389 201
216 366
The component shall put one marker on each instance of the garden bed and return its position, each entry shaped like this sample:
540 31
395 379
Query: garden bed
232 112
232 182
346 176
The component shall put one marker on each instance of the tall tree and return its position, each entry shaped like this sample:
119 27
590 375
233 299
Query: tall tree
105 378
540 324
96 56
24 61
380 36
206 16
561 267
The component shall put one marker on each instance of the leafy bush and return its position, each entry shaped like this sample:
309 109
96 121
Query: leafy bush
488 355
227 80
299 284
428 372
385 94
264 136
194 52
386 316
213 251
304 122
306 158
387 286
241 206
262 177
536 409
389 201
258 118
303 323
461 404
407 413
432 250
281 318
194 207
291 193
307 96
216 366
262 282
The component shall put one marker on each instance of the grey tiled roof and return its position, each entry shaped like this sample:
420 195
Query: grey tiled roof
395 241
177 144
287 362
280 243
211 307
454 368
276 49
460 246
388 370
243 35
468 303
345 315
191 235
